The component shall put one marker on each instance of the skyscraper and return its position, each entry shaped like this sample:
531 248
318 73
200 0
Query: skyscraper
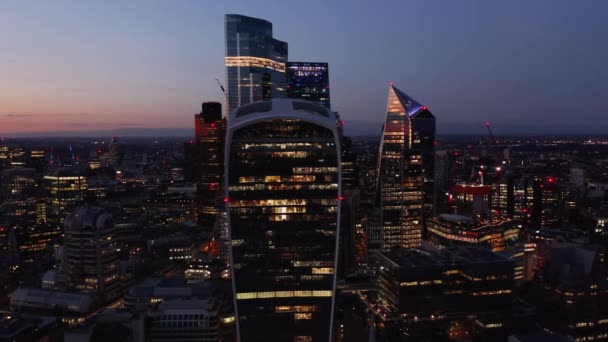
421 139
206 158
407 137
255 61
283 200
308 81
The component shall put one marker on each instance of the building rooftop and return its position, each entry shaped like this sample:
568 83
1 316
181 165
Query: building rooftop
456 218
282 109
50 299
13 325
474 254
171 287
428 256
466 222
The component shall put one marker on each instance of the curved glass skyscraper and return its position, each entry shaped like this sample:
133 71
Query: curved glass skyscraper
283 200
255 61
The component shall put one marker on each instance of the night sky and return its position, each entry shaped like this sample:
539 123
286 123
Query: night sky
529 66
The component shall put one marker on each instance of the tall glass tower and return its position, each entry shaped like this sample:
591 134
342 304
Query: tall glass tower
255 61
406 146
283 198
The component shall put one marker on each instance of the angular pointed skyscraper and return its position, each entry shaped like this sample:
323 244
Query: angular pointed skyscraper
407 136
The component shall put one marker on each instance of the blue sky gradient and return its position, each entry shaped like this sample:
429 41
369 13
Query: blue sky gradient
528 66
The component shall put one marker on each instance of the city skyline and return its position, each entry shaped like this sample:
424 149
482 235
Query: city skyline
70 73
288 212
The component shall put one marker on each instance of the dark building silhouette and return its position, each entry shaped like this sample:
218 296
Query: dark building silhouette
205 159
449 292
283 200
571 294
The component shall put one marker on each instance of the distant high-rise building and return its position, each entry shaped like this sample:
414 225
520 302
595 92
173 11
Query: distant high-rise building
308 81
90 255
65 190
205 123
22 208
255 61
114 152
283 200
18 198
205 158
401 172
578 177
5 153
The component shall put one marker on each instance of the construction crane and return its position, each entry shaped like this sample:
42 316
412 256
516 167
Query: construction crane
225 95
221 86
490 133
493 144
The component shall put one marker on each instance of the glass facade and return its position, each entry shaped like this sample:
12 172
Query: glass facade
308 81
400 186
283 202
255 61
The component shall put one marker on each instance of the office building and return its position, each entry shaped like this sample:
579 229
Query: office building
115 153
143 296
422 139
502 196
90 261
205 123
71 307
205 158
255 61
471 199
18 199
5 153
185 320
451 229
65 189
571 294
308 81
283 199
435 294
400 176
